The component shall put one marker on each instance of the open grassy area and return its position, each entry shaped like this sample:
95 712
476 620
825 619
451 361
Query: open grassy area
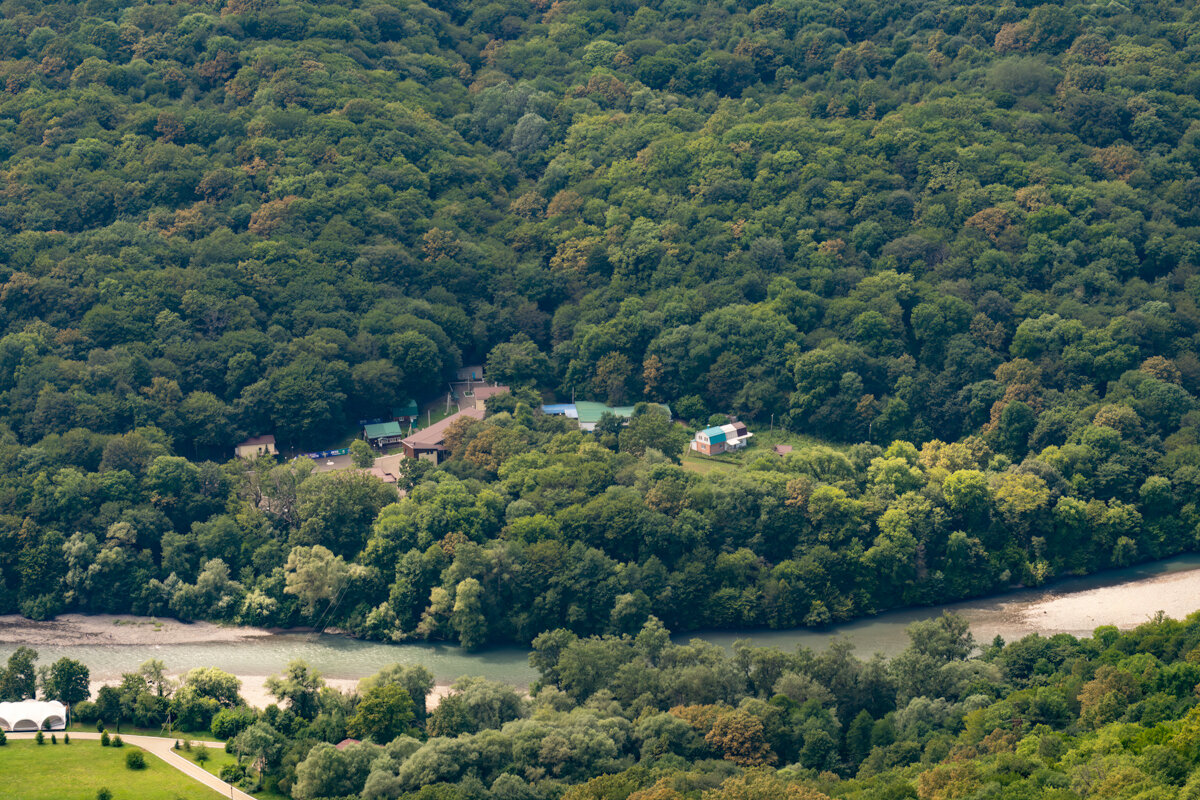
76 771
219 758
705 464
765 440
763 444
129 728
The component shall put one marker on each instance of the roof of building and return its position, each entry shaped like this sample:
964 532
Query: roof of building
715 435
32 715
379 430
435 434
258 441
405 408
565 409
483 391
381 473
589 412
783 449
344 743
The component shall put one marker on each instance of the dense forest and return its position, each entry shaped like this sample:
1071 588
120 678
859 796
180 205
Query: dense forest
1113 717
954 243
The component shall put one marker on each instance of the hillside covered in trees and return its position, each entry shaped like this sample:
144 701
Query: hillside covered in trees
958 243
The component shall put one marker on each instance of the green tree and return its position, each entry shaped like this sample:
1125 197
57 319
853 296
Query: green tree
298 686
384 713
361 454
651 428
67 681
19 680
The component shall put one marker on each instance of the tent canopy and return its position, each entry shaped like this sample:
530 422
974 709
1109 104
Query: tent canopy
33 715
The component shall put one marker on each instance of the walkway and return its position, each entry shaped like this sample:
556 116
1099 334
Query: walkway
165 749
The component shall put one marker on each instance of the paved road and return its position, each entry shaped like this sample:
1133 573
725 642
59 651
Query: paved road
165 749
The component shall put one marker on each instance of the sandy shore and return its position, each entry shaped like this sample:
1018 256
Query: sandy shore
1125 606
103 629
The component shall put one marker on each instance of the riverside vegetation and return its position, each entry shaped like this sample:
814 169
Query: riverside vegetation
1115 716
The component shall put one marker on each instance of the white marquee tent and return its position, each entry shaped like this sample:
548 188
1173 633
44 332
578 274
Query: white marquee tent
32 715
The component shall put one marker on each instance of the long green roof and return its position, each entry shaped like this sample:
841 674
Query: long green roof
378 430
590 411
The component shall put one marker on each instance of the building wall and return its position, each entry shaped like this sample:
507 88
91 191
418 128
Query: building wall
251 451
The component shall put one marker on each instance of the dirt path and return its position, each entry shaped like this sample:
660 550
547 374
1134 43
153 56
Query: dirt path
165 750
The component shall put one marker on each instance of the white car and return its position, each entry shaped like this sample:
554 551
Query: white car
329 463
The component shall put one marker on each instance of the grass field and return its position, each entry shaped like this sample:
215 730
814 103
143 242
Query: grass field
127 728
762 444
219 758
705 464
76 771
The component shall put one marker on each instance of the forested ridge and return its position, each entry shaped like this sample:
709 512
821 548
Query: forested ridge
956 243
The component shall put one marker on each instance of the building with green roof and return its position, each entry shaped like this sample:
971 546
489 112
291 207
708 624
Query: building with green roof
381 434
405 411
588 413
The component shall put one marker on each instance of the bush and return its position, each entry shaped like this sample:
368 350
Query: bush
40 739
202 755
66 738
3 739
85 711
229 722
116 742
134 759
104 740
103 794
232 773
53 739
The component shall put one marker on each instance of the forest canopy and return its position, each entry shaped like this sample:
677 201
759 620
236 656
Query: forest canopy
956 244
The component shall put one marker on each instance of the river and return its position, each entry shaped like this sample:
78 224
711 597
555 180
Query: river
112 645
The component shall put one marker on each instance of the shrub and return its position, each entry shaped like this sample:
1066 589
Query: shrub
3 739
53 739
202 755
177 744
229 722
116 742
85 711
103 794
66 738
134 759
232 773
104 740
40 739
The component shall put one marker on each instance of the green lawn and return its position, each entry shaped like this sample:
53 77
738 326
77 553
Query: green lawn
762 444
128 728
705 464
218 758
76 771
